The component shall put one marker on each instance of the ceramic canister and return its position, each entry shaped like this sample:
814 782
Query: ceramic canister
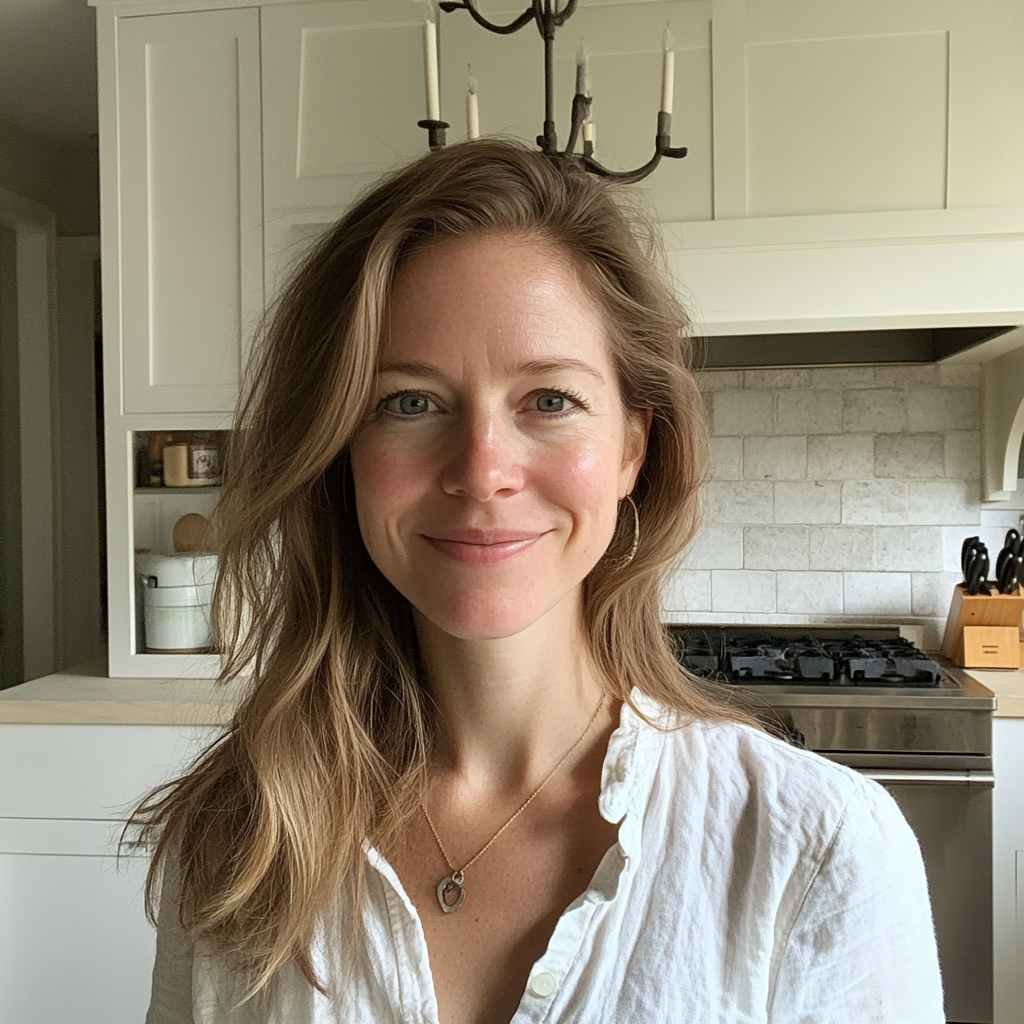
176 602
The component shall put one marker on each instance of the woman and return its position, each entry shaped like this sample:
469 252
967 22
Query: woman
469 782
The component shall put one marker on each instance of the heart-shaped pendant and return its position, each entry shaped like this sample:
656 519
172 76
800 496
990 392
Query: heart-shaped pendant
450 892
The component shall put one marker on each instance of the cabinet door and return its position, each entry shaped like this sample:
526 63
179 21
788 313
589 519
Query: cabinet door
833 107
75 944
191 262
343 88
624 41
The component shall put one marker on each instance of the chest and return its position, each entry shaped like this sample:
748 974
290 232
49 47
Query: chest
481 954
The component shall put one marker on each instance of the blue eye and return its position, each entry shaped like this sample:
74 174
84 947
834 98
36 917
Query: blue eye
410 405
554 403
551 403
407 403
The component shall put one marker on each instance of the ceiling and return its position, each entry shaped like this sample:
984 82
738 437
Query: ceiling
48 67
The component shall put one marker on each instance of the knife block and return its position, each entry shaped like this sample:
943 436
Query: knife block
993 621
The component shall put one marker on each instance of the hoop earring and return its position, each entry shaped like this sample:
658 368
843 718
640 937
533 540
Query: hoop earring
623 560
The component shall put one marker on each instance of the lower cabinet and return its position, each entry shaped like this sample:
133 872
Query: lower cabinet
1008 868
74 942
75 945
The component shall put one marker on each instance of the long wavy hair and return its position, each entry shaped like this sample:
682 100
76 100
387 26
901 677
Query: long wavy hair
331 745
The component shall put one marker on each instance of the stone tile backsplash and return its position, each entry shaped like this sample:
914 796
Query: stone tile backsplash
837 493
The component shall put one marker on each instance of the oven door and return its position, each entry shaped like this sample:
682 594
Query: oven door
951 815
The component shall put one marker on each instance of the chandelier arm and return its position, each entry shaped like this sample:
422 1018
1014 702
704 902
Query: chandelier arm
627 177
544 15
469 5
538 14
580 110
564 15
661 149
638 174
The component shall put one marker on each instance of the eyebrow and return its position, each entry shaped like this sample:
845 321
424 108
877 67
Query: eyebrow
531 368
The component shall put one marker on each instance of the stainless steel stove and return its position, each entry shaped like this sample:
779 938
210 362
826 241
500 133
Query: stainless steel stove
867 698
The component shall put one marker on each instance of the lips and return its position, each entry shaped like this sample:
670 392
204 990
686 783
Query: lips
483 547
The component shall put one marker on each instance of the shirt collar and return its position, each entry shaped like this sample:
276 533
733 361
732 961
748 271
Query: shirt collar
628 771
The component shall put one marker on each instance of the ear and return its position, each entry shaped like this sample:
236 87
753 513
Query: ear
634 448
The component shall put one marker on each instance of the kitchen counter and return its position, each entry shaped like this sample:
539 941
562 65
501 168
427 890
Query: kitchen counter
85 695
1007 685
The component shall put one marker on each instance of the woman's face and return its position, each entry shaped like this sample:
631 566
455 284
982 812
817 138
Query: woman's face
487 478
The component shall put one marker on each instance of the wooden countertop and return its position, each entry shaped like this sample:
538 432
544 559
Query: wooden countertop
85 695
1007 685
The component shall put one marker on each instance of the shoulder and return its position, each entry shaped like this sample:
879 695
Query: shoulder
739 779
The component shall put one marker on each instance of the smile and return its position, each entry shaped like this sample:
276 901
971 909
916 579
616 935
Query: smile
483 547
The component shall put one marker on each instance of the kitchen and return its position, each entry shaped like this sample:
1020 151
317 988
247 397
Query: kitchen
839 492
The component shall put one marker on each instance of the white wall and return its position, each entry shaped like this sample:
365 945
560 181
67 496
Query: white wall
838 494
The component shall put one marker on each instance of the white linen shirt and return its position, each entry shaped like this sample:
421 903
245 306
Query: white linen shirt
751 882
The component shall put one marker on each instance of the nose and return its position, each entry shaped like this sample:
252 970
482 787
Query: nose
485 459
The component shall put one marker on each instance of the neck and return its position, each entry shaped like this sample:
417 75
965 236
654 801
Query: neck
509 707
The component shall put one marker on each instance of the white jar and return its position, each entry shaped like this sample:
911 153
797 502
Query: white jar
178 619
177 592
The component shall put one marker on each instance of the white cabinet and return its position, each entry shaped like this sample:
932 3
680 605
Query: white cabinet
343 89
182 250
189 209
866 168
853 108
74 941
1008 868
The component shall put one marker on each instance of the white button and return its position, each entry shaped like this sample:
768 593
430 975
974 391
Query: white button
543 984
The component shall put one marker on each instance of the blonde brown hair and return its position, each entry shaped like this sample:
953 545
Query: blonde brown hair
331 745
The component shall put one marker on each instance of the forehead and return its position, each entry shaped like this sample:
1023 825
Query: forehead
493 294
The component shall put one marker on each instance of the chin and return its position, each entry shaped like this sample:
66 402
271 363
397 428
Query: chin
487 616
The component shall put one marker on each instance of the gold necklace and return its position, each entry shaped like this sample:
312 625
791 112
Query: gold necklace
451 893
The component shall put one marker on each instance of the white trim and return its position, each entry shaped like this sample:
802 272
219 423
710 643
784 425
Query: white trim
835 229
918 268
1002 398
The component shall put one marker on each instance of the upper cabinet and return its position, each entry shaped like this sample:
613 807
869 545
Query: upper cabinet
343 88
823 108
188 208
845 161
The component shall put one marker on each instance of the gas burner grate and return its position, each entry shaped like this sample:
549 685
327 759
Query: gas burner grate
764 659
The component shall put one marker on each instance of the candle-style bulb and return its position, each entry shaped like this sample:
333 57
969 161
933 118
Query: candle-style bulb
472 106
583 71
433 89
668 70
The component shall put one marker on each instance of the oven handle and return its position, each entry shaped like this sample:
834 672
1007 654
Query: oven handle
985 780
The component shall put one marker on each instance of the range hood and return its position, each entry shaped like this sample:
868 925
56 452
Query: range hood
843 348
912 286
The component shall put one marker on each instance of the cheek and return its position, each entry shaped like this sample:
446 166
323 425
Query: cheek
383 487
583 476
